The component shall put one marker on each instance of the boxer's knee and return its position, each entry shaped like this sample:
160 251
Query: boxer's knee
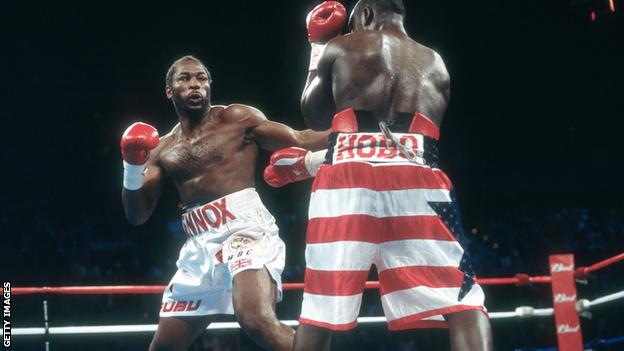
310 337
254 300
257 321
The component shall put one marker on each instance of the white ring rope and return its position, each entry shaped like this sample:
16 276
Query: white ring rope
606 299
522 311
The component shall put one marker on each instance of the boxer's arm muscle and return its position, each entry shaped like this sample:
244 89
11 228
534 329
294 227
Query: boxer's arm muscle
139 204
317 101
272 136
313 140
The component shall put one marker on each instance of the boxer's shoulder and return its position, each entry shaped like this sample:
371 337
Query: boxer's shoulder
358 39
426 51
173 135
359 44
243 114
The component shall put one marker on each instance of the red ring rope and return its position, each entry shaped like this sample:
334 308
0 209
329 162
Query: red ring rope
519 280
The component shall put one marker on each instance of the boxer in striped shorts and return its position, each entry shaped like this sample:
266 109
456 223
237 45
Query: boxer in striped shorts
378 196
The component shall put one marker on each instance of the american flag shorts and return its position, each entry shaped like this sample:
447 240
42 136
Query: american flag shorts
400 216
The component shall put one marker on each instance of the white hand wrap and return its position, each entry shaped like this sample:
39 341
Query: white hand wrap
314 160
133 176
315 55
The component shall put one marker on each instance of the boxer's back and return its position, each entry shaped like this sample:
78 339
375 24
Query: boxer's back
386 72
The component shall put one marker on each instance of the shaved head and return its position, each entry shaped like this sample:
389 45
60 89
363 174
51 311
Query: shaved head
371 14
382 6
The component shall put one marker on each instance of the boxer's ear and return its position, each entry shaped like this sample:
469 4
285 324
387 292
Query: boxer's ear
168 92
369 15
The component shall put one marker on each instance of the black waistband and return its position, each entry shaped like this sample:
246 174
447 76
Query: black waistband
368 123
430 155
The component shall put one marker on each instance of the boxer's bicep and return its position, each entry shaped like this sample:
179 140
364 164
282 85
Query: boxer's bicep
272 136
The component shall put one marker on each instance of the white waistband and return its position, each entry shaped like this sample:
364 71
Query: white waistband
213 215
240 200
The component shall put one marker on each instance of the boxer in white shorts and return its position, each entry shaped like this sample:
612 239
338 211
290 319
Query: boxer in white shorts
233 257
225 237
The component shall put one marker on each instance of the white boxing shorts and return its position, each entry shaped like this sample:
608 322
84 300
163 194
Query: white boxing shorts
227 236
370 205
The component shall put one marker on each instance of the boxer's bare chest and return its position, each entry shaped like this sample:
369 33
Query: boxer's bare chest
211 145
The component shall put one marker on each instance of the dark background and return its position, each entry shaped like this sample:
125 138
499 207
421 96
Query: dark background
531 140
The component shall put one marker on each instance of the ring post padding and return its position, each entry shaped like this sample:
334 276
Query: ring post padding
568 325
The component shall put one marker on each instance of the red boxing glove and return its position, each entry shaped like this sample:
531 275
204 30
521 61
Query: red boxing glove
326 21
137 141
287 166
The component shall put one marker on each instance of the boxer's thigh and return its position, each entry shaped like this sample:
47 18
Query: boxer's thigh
254 292
254 288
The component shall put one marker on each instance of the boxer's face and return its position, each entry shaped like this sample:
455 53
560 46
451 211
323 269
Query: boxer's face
190 86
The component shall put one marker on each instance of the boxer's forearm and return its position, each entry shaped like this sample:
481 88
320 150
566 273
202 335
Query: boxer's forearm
138 205
142 177
312 140
323 23
317 101
309 79
306 90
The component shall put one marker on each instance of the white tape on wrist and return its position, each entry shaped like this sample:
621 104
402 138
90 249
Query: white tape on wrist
314 160
133 176
315 55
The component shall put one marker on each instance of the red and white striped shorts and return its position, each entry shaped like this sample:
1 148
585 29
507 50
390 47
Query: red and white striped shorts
399 216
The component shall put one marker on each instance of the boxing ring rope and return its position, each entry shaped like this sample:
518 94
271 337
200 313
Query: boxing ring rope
519 280
523 311
158 289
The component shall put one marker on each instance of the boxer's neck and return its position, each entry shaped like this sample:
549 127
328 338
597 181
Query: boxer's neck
391 23
190 119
